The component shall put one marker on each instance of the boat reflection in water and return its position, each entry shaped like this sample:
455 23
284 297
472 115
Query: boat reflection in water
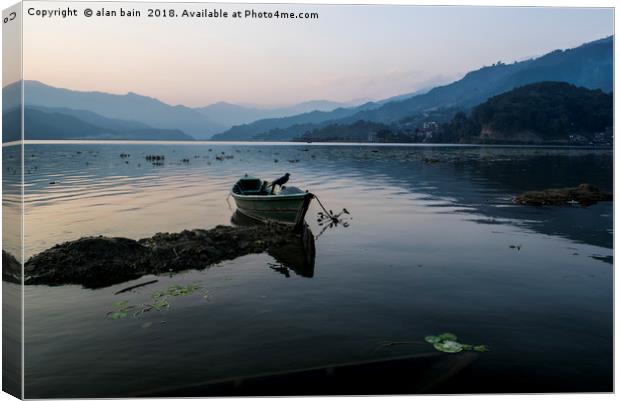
296 255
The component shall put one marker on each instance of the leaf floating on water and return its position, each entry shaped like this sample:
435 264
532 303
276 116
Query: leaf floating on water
122 310
448 346
161 304
118 315
447 337
159 301
446 342
432 339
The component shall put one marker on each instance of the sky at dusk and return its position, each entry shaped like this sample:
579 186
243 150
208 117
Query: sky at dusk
348 53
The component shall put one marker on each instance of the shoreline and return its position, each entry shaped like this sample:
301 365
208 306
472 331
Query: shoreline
292 143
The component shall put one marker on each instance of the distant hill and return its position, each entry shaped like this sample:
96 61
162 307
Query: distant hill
546 111
543 112
42 123
94 118
131 106
246 132
589 65
359 131
227 114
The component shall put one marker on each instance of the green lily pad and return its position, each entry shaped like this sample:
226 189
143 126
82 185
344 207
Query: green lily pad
159 301
118 315
448 346
432 339
447 337
481 348
161 304
446 342
177 290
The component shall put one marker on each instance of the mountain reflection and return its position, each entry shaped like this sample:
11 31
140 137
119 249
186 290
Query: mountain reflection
75 186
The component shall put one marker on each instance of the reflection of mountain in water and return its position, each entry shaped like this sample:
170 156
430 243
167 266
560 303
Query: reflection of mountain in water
483 181
479 182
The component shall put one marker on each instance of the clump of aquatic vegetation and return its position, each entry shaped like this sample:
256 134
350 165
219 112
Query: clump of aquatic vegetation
156 160
328 219
122 310
159 301
177 290
332 218
445 342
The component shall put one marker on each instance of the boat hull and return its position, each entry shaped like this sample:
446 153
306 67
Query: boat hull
285 209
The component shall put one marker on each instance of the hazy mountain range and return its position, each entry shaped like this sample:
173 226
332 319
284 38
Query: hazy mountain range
43 123
227 114
130 116
132 107
589 66
56 113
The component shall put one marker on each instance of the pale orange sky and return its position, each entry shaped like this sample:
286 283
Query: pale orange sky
350 52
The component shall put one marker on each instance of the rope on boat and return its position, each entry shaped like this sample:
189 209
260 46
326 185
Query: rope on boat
333 217
329 213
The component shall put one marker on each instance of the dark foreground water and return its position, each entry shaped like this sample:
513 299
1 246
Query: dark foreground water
430 248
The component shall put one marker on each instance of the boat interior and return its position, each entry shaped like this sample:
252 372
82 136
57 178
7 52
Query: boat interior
251 186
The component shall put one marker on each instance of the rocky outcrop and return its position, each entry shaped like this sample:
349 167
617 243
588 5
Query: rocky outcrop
101 261
584 195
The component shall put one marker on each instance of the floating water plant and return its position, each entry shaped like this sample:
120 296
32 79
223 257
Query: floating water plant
328 219
159 301
447 342
123 309
177 290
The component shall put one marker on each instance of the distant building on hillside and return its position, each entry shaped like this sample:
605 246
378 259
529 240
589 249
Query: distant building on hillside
430 126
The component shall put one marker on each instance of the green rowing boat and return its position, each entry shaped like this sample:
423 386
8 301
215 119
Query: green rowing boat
257 200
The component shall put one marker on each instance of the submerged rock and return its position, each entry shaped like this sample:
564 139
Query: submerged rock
96 262
584 195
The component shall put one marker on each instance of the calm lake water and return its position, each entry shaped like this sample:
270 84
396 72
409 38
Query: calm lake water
430 248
